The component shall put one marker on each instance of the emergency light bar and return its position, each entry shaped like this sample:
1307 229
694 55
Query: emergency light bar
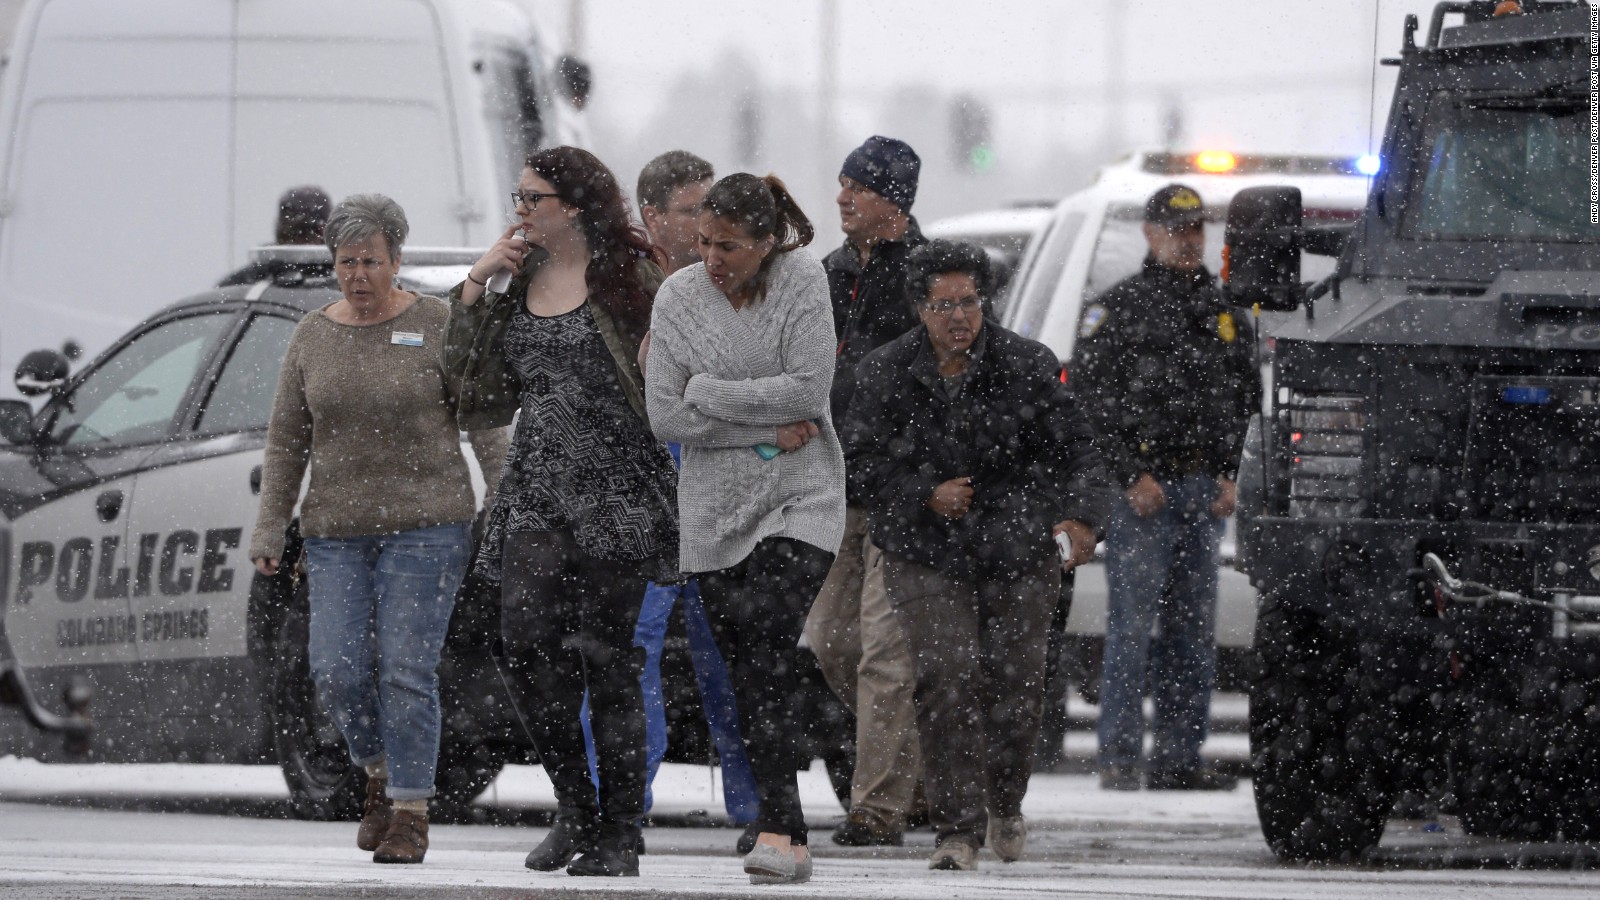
1222 162
303 254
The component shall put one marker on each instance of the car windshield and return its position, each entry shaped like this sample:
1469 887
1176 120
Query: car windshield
132 396
1505 167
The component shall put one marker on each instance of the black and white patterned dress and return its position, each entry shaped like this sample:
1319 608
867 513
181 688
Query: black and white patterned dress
581 460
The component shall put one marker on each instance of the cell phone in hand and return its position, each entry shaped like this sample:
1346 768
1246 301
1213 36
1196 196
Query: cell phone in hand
499 281
767 451
1064 546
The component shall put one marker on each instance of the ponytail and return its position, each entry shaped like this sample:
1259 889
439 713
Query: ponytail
794 230
762 208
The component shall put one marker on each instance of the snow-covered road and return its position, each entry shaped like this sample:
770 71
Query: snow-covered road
1086 843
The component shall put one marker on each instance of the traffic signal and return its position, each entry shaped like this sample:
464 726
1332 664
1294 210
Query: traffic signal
971 142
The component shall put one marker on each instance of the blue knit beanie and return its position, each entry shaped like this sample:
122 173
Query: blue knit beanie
887 167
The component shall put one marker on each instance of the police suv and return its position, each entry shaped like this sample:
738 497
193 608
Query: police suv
1092 241
128 500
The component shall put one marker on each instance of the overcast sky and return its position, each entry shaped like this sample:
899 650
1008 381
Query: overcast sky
1069 84
1030 50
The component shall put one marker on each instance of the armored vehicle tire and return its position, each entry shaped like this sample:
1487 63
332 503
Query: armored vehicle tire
1322 789
1503 792
323 784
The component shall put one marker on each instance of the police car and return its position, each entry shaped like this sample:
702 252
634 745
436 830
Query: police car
1004 233
1093 240
127 503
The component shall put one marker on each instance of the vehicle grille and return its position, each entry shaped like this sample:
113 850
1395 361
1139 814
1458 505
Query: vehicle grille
1533 449
1324 441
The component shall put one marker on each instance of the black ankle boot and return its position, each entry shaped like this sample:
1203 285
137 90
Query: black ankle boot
614 854
568 837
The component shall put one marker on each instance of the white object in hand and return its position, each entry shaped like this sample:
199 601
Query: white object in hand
1064 546
498 282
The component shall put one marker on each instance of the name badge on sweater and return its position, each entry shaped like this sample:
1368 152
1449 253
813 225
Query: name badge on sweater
406 338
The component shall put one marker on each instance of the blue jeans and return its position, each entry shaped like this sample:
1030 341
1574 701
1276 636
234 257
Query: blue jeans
716 695
1161 570
380 605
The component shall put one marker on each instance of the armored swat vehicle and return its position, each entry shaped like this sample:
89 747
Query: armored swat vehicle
1423 512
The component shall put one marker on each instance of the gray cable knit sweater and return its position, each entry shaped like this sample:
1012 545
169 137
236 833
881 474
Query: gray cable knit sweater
719 381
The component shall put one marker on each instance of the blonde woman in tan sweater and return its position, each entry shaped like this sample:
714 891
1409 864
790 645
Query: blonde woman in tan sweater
363 400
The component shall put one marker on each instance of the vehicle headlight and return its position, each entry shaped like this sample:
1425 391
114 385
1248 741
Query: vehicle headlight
1325 455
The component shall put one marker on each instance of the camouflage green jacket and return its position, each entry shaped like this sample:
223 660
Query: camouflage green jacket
474 353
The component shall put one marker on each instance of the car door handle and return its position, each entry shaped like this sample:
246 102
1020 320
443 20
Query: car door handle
255 481
108 505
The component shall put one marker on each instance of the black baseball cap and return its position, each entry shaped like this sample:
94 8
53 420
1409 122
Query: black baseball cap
1174 206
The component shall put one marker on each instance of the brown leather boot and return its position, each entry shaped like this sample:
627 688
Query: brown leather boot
406 840
375 815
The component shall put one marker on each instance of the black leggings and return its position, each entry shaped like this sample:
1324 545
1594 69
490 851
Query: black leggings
567 622
757 610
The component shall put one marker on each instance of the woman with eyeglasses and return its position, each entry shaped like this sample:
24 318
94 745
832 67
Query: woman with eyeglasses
741 363
982 484
586 513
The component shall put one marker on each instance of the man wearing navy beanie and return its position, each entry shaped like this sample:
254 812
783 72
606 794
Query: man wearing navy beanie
852 628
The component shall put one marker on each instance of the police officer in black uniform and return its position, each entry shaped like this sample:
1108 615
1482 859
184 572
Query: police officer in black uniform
1167 371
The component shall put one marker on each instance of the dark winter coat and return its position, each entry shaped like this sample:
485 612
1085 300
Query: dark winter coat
1167 371
870 308
1014 429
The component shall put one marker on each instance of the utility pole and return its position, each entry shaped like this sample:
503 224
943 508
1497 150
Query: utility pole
575 28
827 90
1116 44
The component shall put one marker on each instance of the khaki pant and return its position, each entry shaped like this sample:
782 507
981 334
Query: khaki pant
979 652
862 652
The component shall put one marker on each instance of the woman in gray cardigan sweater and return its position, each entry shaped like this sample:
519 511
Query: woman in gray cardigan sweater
739 371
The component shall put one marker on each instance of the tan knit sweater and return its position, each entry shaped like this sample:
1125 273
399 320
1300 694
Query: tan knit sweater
374 416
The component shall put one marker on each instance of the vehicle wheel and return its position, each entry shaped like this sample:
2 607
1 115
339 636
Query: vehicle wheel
1501 793
1317 751
323 784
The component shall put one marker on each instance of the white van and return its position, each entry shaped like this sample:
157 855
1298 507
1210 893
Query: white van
1094 240
143 147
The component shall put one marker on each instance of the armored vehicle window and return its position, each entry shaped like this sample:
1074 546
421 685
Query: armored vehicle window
1509 168
133 395
241 399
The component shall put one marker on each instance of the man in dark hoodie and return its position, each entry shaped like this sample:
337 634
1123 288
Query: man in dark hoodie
1167 371
852 628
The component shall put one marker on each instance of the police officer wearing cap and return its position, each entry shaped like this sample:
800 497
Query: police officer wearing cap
1167 371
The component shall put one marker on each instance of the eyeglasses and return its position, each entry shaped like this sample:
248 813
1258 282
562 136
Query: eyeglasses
966 304
531 199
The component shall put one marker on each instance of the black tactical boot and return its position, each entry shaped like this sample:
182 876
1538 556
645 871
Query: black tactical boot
616 853
569 836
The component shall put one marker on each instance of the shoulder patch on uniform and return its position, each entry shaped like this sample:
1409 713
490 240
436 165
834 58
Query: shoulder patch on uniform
1225 327
1093 317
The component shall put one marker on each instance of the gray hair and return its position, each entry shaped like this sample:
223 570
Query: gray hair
360 216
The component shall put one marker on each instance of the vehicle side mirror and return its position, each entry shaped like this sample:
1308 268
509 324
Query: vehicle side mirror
16 421
40 372
1261 249
1325 240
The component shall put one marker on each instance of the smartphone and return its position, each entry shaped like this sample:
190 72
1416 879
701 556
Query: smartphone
499 281
767 451
1064 547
